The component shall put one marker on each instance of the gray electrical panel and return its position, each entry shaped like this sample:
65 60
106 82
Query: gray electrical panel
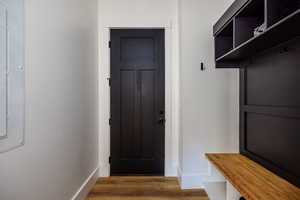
12 74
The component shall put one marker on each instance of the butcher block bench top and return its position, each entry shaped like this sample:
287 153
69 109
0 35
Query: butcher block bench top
251 180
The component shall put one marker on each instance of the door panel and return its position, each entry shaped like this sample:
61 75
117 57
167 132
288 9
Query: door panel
137 101
148 111
128 106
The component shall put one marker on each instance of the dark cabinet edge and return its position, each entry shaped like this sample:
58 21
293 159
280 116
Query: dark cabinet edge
229 14
292 18
228 64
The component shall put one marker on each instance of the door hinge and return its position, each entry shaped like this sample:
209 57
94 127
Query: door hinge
109 121
109 44
109 160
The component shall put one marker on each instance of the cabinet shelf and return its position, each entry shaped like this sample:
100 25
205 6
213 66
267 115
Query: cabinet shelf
251 17
224 40
273 36
281 21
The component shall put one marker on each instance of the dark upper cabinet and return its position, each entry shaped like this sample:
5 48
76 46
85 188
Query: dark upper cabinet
235 37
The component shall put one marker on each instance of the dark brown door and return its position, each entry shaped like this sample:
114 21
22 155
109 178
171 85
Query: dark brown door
137 101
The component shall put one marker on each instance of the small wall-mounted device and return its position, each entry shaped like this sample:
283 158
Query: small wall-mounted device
202 66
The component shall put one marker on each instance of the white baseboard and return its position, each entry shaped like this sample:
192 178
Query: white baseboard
179 173
171 171
197 180
192 181
86 187
189 181
104 170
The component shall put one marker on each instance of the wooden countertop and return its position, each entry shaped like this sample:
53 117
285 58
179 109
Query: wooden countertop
253 181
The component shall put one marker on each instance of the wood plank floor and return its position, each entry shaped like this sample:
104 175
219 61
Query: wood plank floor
142 188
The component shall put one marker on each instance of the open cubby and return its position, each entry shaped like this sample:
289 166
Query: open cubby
224 40
251 17
279 9
235 38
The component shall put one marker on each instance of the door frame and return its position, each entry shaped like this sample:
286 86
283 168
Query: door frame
171 97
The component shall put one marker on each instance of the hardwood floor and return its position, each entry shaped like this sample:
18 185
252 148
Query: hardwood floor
142 188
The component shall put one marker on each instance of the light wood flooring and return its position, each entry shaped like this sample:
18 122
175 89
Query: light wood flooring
142 188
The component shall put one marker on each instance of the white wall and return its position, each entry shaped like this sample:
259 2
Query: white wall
61 145
209 99
140 14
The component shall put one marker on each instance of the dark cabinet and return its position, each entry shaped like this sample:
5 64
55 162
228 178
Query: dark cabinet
249 27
